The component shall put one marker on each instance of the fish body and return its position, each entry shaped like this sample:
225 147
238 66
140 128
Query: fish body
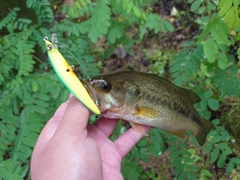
148 99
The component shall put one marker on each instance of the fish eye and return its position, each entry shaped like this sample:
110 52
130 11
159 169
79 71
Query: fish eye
106 86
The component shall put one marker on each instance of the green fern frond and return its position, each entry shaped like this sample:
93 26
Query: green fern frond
43 10
229 10
116 31
156 23
36 111
21 23
100 20
79 8
9 18
37 36
7 132
6 170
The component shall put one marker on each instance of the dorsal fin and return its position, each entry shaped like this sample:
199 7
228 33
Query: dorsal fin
193 97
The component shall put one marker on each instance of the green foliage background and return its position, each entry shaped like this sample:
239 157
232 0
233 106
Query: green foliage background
30 91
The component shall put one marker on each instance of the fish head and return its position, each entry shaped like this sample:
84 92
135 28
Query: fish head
107 93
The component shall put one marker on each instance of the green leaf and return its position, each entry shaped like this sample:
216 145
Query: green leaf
208 28
100 20
201 10
205 173
175 161
220 36
178 81
39 109
222 61
116 31
188 43
213 104
229 15
210 49
183 175
208 93
43 96
224 7
203 105
168 26
216 139
34 86
179 169
195 5
173 147
142 143
144 155
236 160
137 11
209 148
174 154
214 155
153 150
234 21
211 6
135 152
41 103
221 160
222 145
230 166
192 176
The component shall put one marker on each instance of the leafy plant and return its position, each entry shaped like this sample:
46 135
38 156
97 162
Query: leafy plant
31 91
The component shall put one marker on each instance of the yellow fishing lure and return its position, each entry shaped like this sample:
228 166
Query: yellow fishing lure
67 75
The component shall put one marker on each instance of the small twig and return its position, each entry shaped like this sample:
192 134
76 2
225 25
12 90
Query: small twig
36 58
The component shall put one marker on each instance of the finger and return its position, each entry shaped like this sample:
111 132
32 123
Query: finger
128 140
106 125
74 120
52 125
49 130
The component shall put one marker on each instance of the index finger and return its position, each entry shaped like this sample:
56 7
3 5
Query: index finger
75 119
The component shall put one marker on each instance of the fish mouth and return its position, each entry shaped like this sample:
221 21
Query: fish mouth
91 92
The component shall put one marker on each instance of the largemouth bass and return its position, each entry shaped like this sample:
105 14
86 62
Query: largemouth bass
148 99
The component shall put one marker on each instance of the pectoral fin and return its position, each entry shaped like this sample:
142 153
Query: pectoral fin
138 127
147 112
132 95
180 134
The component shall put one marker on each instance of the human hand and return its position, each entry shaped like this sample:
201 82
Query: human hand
70 148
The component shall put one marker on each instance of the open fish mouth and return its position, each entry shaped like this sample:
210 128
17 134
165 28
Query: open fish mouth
91 92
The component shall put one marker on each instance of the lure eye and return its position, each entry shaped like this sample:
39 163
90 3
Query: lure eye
105 86
45 38
49 47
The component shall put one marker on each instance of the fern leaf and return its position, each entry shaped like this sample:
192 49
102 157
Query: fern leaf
116 31
9 18
6 170
100 20
25 64
43 10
